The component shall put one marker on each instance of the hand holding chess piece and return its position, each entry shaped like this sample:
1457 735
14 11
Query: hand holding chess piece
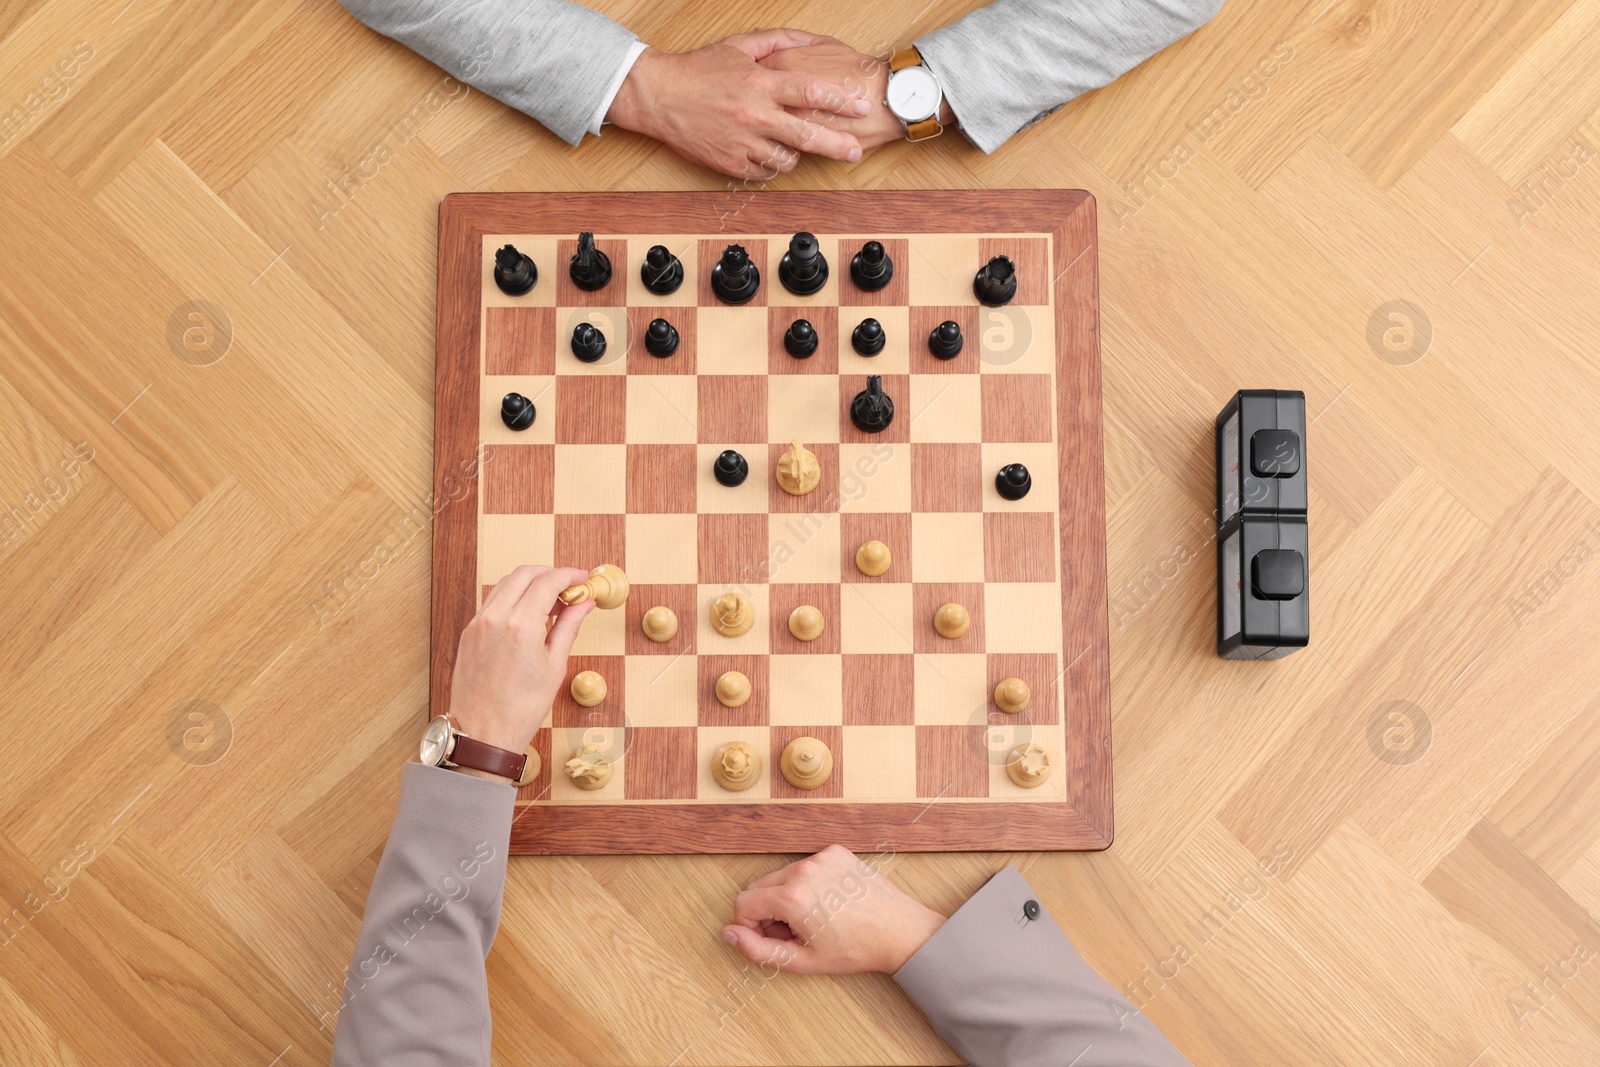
607 587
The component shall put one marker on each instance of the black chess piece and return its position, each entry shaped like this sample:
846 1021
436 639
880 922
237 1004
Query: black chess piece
945 340
800 340
661 271
871 268
590 267
996 282
1013 481
517 411
803 269
735 278
514 272
872 411
867 337
731 468
661 338
588 343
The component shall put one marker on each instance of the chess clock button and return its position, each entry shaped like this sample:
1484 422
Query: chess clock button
1031 910
1278 574
1275 453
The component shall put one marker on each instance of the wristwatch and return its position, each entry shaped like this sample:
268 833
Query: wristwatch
445 746
914 95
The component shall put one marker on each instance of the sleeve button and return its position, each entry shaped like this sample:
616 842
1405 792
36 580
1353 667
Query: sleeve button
1031 909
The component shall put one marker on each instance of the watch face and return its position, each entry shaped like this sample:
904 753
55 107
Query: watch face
913 94
436 742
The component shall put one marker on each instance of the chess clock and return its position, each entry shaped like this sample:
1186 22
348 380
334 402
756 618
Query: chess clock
1263 599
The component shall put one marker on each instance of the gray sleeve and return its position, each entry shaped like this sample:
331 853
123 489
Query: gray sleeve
1002 988
416 991
550 59
1006 66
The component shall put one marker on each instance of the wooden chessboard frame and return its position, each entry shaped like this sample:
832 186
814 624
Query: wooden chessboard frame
1081 822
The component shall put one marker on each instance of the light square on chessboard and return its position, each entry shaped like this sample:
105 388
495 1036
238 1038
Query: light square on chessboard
519 340
898 389
539 788
895 294
880 762
1023 616
661 549
824 320
641 360
804 406
777 247
1019 546
710 738
591 410
661 479
896 355
680 245
833 737
926 599
952 689
1015 340
731 407
660 763
641 598
492 429
602 634
806 690
661 689
893 529
517 479
1003 738
1031 256
585 541
947 476
952 762
661 409
590 479
874 477
878 689
710 251
825 497
1040 459
731 549
1042 672
567 714
506 542
749 497
565 743
541 249
731 340
610 321
924 320
947 546
1019 407
615 291
786 597
946 407
709 642
753 712
876 618
803 548
941 268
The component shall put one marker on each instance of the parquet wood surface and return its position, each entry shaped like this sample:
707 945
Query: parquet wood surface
217 324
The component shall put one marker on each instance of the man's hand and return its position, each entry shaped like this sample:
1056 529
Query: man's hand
717 106
512 660
835 61
829 914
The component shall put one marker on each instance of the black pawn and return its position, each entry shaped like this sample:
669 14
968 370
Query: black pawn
801 339
803 269
996 282
945 340
661 339
867 338
872 411
734 278
871 268
661 271
590 267
588 343
517 411
1013 481
731 468
514 272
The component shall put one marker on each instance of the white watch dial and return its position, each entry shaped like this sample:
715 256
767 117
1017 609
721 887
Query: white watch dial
436 742
914 94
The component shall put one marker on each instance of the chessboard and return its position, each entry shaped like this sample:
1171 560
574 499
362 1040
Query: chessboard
623 463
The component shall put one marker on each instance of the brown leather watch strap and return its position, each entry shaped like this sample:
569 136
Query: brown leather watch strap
905 57
481 757
921 131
